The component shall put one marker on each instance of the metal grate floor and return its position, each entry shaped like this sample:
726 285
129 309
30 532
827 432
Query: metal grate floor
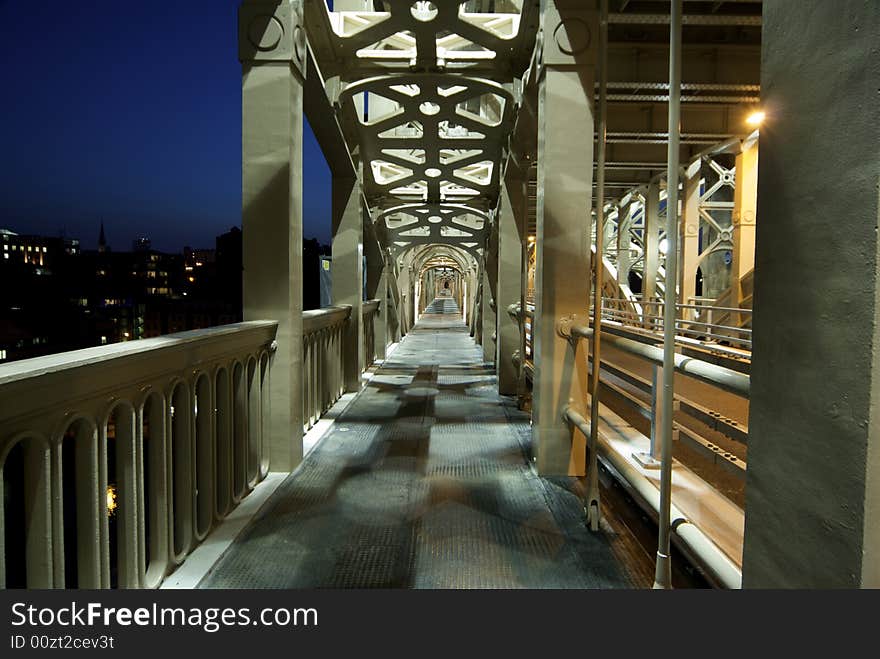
424 482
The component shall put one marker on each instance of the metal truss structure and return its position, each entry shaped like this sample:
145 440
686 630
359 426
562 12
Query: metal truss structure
425 94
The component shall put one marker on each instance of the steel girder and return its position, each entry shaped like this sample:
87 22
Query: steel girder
426 93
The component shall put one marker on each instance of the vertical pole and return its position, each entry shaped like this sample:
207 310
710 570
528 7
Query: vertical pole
272 117
690 237
663 574
624 222
592 500
652 250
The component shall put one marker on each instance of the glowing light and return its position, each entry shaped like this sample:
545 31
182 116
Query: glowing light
664 246
756 118
112 503
532 239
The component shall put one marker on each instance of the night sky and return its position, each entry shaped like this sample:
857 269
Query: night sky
129 112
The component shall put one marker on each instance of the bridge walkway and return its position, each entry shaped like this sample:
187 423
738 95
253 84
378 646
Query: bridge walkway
425 482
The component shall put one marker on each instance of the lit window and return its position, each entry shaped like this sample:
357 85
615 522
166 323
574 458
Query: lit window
5 247
2 355
103 340
30 249
45 250
6 256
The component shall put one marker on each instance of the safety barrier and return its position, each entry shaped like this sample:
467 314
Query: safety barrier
370 313
323 367
117 461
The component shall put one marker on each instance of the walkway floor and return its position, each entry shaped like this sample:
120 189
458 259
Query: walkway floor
424 482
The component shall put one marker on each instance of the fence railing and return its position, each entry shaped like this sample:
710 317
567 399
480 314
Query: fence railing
116 462
323 367
697 321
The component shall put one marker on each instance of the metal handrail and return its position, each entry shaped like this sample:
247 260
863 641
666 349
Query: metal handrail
719 376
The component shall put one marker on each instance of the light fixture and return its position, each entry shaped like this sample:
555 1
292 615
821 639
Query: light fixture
756 118
112 503
531 239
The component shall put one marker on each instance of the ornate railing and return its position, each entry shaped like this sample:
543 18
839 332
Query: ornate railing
116 462
370 313
323 368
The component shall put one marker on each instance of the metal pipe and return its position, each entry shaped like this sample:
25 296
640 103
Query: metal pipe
591 504
721 569
727 379
663 574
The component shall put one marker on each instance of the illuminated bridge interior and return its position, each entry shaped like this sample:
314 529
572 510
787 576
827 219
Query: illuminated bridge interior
557 266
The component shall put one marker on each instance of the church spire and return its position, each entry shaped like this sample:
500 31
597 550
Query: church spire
102 240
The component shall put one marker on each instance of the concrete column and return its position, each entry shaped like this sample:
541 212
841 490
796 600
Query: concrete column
487 323
813 483
509 287
523 392
745 205
473 324
652 244
348 274
565 179
394 308
490 283
689 236
272 115
377 289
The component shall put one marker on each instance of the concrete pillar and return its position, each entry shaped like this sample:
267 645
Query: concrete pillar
689 237
509 288
377 289
624 222
487 324
565 179
523 392
394 308
473 306
745 205
652 244
272 115
813 483
348 274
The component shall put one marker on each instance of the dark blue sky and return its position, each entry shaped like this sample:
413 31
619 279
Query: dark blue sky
130 112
